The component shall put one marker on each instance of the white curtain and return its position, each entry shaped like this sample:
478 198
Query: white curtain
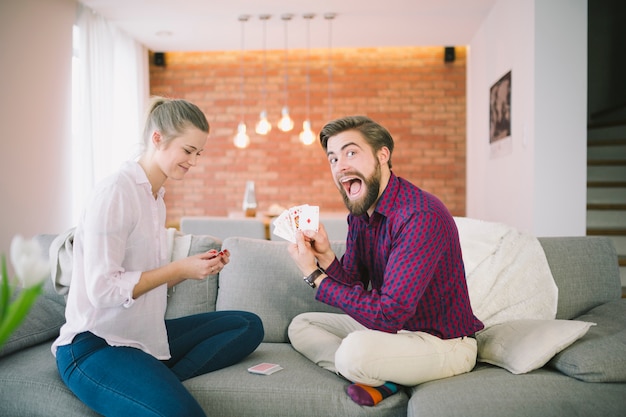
112 81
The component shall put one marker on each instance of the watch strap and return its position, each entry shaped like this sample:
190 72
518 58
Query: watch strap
311 278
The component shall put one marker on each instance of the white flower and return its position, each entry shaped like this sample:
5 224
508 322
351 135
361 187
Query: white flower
31 267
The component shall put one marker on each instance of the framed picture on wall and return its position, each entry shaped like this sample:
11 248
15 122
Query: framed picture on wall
500 109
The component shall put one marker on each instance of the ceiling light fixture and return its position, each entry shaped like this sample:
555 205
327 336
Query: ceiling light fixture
286 123
307 136
329 18
263 126
242 140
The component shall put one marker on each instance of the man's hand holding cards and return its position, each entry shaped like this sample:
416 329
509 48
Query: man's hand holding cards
304 217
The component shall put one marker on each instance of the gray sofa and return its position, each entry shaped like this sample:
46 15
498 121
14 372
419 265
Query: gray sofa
261 278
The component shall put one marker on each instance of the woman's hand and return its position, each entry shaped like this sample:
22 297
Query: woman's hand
203 264
193 267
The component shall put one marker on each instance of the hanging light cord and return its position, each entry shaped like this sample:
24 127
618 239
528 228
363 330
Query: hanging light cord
286 19
308 67
264 18
243 20
330 17
241 139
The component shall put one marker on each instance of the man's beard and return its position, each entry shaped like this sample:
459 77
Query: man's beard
372 184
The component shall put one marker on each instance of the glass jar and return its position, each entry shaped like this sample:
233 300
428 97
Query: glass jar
249 200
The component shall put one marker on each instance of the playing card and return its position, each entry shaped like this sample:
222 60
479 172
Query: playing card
282 221
220 253
309 218
285 235
294 213
302 217
265 368
283 227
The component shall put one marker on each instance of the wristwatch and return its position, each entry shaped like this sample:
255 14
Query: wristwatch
311 278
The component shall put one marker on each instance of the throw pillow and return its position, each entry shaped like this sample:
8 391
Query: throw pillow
42 323
600 356
521 346
192 296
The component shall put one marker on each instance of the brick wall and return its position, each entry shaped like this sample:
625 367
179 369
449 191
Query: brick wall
411 91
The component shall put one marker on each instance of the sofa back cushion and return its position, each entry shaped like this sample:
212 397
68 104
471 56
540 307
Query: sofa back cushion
42 323
262 278
586 271
193 296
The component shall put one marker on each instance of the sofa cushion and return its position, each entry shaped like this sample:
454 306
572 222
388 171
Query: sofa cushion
262 278
490 391
30 386
600 356
42 323
586 271
300 389
192 296
521 346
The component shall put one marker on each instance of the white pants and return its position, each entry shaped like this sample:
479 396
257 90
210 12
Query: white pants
340 344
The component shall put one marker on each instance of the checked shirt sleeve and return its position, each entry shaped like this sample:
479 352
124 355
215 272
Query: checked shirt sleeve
399 275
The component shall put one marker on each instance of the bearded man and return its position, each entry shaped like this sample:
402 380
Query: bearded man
401 281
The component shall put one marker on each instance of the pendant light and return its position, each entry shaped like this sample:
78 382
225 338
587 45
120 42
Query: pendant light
242 140
329 17
307 136
263 126
286 123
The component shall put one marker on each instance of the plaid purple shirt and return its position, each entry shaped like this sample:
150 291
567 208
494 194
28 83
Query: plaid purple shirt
409 252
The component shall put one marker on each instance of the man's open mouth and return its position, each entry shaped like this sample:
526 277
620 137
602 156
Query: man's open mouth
351 185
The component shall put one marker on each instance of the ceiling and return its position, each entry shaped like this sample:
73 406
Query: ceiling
213 25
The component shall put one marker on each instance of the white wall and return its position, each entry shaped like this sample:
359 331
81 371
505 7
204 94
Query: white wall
561 117
36 52
536 180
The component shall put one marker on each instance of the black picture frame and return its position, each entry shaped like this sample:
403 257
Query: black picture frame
500 109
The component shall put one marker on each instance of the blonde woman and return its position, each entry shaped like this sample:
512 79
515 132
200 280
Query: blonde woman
117 352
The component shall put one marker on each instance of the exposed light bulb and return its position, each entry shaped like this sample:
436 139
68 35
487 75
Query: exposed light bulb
307 136
242 140
263 126
285 124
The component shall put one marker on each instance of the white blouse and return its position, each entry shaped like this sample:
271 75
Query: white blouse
120 235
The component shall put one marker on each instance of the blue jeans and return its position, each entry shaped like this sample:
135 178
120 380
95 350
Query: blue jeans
125 381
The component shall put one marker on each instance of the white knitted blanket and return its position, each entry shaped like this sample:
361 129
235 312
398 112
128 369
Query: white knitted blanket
508 275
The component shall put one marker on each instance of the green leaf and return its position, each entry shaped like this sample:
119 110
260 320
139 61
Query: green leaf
5 290
17 311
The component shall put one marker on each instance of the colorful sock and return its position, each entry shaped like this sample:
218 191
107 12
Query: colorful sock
366 395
